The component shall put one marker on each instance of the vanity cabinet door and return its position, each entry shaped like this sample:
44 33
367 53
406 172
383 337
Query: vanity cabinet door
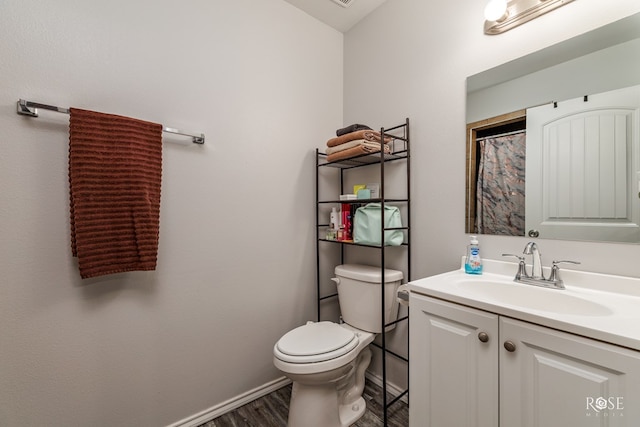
551 378
454 365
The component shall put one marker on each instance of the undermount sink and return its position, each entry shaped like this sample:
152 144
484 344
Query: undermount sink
531 297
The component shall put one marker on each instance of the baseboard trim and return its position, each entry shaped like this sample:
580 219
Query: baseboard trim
231 404
251 395
391 388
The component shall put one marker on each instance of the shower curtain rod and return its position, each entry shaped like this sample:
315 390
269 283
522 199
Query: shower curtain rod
502 134
30 108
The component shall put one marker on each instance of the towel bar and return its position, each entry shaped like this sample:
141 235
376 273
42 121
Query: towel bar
30 108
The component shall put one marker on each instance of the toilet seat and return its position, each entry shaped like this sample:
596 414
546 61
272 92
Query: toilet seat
315 342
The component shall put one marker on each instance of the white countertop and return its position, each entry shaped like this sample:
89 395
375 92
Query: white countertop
600 306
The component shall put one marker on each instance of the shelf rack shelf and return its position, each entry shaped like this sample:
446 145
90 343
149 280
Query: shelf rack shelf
400 151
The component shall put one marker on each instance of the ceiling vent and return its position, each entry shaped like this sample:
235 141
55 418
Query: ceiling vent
344 3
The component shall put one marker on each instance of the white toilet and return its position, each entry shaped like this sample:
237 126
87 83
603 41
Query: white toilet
327 361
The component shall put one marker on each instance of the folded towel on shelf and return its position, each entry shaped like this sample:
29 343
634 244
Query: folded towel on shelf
357 151
351 144
115 168
369 135
351 128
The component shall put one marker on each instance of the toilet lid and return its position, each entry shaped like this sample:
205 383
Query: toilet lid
315 342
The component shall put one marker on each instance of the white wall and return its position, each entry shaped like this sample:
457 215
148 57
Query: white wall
410 58
236 263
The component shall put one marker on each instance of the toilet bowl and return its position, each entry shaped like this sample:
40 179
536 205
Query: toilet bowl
327 361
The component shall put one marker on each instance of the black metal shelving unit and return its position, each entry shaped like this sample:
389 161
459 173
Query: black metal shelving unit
400 151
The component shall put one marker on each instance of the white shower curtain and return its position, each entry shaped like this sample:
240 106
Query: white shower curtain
500 191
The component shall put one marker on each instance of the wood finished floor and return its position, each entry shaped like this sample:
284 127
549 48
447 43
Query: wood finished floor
271 411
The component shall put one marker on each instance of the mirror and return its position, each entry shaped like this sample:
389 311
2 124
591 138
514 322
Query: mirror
501 103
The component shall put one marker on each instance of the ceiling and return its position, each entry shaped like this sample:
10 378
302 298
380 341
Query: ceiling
336 16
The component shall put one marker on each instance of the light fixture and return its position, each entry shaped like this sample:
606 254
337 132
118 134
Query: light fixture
503 15
496 11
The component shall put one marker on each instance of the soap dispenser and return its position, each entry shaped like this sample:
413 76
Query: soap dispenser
473 261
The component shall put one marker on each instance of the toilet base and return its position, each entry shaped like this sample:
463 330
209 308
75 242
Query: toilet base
314 405
351 413
330 399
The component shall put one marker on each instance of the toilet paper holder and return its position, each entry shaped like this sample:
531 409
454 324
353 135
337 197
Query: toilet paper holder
402 295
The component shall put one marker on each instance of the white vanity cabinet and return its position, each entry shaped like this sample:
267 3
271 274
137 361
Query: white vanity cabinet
470 367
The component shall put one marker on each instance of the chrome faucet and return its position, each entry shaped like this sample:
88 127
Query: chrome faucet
536 264
537 276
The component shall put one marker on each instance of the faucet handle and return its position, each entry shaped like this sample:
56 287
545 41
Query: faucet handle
521 266
555 270
565 261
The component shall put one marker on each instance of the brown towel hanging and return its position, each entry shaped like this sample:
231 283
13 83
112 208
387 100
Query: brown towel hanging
115 169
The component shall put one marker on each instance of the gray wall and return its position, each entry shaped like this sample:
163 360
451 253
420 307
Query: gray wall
236 264
411 58
406 60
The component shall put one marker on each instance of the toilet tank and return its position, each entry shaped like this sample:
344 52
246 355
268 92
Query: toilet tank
360 295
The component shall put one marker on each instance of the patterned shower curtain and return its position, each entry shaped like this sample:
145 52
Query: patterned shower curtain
500 192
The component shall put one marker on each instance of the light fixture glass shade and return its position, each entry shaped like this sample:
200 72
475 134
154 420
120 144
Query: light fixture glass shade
496 10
